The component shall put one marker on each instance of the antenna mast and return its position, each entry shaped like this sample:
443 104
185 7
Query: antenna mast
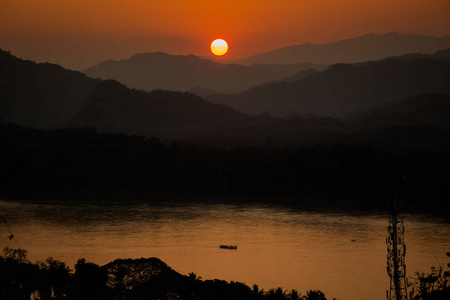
396 248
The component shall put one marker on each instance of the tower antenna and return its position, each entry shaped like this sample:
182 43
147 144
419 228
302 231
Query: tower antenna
396 248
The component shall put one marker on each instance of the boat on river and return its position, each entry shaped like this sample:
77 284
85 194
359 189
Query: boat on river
231 247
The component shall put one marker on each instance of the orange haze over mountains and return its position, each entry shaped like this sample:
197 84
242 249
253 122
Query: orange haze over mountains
80 33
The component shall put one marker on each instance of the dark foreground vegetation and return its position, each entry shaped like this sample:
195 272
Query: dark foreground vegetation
64 162
151 278
432 286
144 278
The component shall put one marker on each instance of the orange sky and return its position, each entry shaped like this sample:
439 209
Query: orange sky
80 33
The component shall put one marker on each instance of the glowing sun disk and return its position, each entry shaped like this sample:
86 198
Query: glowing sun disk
219 47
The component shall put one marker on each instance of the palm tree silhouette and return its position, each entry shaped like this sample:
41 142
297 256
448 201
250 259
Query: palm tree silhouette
314 295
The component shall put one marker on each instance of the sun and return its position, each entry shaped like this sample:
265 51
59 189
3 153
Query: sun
219 47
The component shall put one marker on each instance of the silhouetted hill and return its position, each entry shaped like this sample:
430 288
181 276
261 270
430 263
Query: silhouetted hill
345 88
443 55
36 162
429 109
158 70
419 123
40 95
201 92
113 107
403 138
362 48
301 75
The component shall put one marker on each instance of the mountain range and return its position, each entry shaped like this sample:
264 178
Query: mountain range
362 48
426 109
345 88
390 100
417 122
113 107
40 95
149 71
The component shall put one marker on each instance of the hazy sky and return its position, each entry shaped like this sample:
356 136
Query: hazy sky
80 33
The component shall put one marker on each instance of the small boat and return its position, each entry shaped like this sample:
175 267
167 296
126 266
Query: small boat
228 247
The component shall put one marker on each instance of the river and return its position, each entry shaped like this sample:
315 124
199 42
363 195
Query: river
341 252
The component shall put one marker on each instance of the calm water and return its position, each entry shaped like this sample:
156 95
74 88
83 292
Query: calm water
291 247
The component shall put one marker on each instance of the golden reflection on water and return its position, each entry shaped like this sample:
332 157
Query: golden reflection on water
342 254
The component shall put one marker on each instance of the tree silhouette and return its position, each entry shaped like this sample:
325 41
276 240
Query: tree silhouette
276 294
294 295
314 295
19 278
54 278
256 293
432 286
89 281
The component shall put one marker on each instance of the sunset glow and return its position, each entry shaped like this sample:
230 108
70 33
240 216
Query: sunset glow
81 33
219 47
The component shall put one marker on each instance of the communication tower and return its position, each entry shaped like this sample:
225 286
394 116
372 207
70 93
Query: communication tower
396 248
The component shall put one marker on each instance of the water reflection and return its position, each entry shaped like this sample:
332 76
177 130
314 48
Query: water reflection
341 253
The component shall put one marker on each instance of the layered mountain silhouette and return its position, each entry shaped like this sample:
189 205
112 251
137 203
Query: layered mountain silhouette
40 95
159 70
362 48
46 96
113 107
427 109
419 122
344 88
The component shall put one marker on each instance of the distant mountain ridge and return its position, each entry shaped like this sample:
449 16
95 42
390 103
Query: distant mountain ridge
362 48
47 96
40 95
344 88
426 109
158 70
112 107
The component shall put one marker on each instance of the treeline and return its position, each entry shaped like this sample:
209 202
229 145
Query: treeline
144 278
38 162
151 278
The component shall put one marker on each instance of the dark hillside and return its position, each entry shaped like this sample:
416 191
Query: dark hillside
344 88
115 108
40 95
70 162
428 109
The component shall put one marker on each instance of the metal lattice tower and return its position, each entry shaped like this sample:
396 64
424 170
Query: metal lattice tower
396 248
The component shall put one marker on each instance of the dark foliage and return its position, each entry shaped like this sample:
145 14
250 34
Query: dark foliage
54 279
432 286
18 277
89 282
73 161
125 279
